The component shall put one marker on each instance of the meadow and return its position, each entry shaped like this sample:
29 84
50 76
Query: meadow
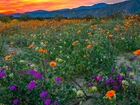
70 61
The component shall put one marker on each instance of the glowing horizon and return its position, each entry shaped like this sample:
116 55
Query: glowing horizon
21 6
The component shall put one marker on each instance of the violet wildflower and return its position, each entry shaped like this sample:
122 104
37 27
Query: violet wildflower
15 102
3 69
119 76
131 77
38 75
31 85
58 79
90 84
112 69
43 94
129 70
45 61
2 74
55 103
22 72
93 76
115 87
32 72
47 101
12 87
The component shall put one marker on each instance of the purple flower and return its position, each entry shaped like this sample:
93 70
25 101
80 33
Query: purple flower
112 81
128 70
135 56
38 75
93 77
115 87
12 87
43 94
47 101
32 72
112 69
131 77
31 85
120 81
107 81
119 76
2 69
2 74
55 103
90 84
46 61
15 102
58 79
22 72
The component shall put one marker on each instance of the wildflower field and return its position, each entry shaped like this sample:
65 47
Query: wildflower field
70 62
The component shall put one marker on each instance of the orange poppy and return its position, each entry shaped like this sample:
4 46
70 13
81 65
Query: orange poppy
93 43
74 43
115 29
110 93
137 52
12 52
110 35
40 50
103 31
88 46
7 57
45 51
79 31
31 46
52 64
92 26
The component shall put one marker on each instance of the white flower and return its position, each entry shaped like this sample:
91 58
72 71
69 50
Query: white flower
80 93
22 61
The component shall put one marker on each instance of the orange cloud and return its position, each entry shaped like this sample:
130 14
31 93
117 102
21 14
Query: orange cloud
21 6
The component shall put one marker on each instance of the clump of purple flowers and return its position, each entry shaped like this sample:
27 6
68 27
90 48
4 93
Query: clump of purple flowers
12 87
15 102
58 79
32 72
47 101
90 84
2 74
38 75
31 85
43 94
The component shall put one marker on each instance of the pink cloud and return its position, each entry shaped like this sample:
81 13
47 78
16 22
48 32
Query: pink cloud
21 6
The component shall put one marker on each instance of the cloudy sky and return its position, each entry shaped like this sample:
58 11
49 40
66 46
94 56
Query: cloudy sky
21 6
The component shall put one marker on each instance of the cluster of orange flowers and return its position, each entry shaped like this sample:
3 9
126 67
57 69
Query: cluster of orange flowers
9 56
42 50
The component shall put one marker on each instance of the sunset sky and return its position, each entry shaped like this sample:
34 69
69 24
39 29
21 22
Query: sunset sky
21 6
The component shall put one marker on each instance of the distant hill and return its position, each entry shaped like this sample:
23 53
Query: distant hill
100 9
99 5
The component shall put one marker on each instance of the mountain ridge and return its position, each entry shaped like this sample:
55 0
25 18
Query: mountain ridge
98 10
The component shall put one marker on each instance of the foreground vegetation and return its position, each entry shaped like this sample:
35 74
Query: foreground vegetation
43 61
